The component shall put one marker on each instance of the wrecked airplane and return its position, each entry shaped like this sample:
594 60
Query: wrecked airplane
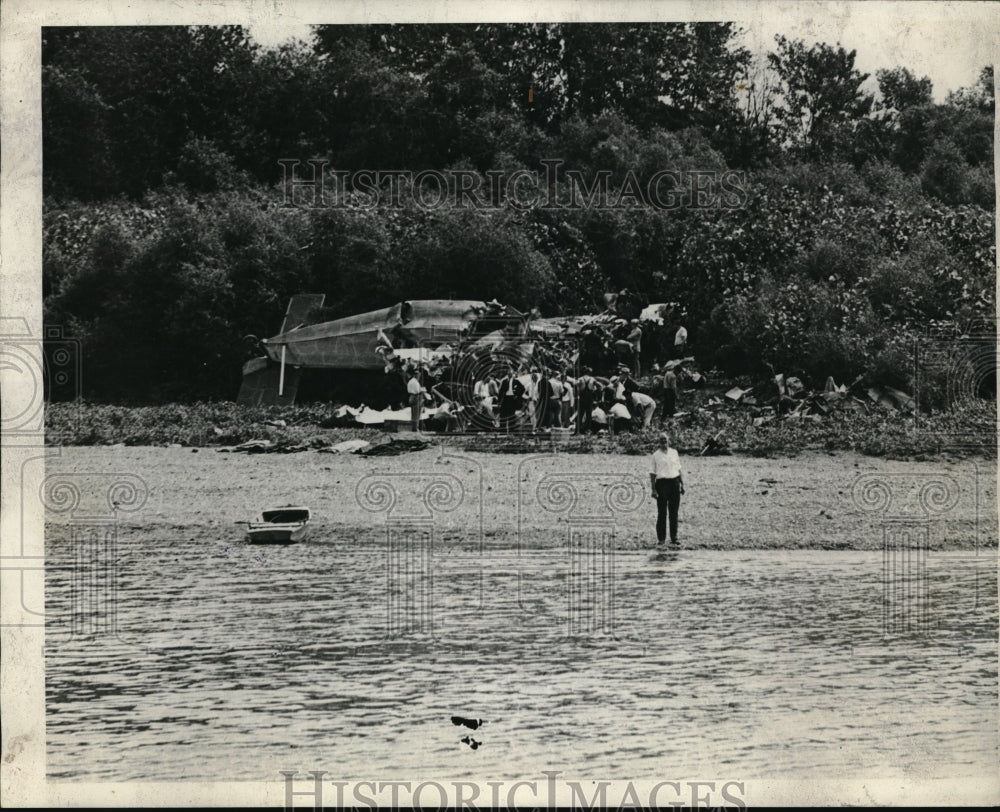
414 329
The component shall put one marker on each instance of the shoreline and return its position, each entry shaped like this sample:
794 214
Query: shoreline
966 432
494 501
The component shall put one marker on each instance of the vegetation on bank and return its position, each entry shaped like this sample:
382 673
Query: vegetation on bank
861 219
967 429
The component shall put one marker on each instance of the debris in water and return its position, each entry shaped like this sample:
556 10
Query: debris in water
472 724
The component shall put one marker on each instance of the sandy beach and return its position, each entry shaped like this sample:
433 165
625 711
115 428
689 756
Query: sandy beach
809 501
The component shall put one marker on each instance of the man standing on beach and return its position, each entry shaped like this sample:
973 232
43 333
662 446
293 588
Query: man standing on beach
667 485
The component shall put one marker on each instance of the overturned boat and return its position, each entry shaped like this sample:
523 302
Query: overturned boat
284 525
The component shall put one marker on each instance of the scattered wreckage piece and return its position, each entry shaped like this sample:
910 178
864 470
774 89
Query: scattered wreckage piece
892 399
394 446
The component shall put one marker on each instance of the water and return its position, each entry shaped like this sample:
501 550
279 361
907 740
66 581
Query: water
232 662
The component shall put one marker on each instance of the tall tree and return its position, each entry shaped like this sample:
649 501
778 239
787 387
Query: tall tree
148 91
901 90
672 75
821 93
978 97
755 137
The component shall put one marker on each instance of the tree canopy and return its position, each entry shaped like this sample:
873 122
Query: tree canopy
854 219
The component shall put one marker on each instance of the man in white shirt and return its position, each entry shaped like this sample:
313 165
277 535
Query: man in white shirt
668 485
553 411
567 401
483 399
635 339
416 392
619 417
532 391
645 406
511 395
680 341
598 419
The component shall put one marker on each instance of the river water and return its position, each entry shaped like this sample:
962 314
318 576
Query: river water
182 660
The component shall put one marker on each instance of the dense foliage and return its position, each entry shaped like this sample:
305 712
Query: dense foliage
859 219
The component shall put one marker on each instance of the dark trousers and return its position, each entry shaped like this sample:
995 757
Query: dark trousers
668 498
669 402
586 406
416 407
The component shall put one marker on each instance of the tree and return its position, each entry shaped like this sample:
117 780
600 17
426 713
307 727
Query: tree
978 97
671 75
902 90
943 173
144 93
755 137
821 93
674 75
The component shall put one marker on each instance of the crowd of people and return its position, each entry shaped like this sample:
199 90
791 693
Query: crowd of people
488 384
508 399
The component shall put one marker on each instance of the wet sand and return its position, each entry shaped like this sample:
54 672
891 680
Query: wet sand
500 501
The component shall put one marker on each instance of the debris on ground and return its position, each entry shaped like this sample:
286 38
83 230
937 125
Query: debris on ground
346 447
715 446
892 399
793 401
394 446
266 447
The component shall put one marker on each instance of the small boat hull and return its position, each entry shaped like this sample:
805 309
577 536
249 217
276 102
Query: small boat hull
268 533
280 526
